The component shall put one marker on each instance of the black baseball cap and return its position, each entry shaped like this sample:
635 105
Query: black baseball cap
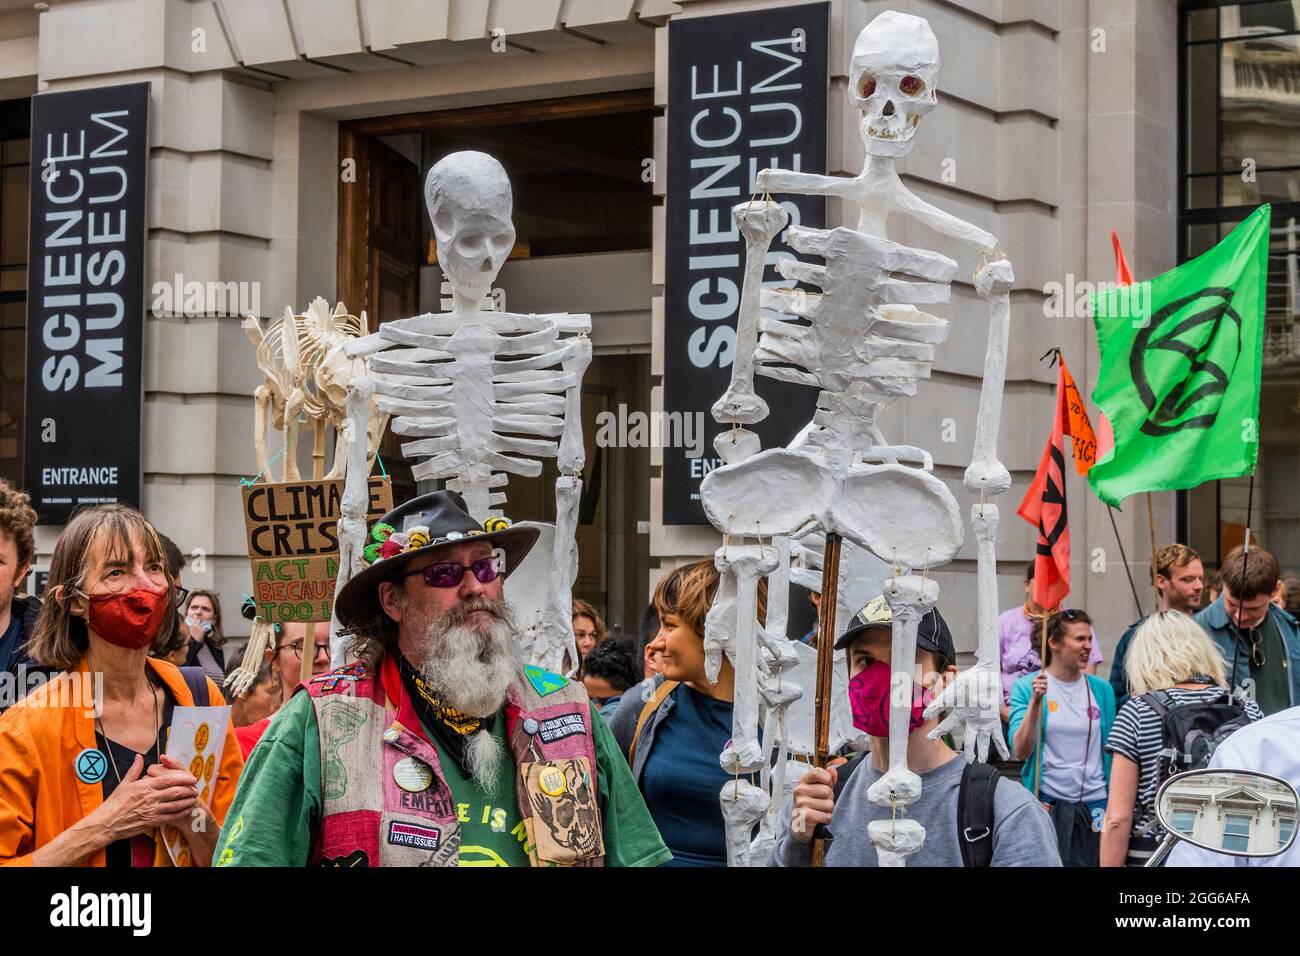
932 634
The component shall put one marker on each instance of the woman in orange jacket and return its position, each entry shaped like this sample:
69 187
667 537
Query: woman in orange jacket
83 779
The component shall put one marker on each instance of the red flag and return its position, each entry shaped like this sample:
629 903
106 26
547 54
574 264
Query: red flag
1123 276
1044 507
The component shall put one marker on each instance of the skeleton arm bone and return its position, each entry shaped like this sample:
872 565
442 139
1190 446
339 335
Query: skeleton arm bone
807 184
975 697
908 202
571 456
352 508
986 474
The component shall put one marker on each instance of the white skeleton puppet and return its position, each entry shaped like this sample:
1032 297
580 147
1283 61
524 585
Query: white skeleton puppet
893 84
867 345
481 393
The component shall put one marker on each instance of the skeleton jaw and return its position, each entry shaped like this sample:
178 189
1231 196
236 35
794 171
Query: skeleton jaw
883 138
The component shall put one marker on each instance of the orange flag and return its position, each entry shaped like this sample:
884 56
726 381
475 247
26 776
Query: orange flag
1077 424
1044 507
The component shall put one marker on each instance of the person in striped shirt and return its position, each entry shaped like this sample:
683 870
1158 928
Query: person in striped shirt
1169 652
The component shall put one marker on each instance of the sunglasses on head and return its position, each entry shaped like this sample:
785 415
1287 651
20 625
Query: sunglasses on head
449 574
1070 615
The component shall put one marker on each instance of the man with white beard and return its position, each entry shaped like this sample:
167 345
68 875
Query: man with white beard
435 747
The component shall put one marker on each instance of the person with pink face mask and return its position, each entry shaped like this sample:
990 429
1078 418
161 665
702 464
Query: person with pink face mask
972 815
83 778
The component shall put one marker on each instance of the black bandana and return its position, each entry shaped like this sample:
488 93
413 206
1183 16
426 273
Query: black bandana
449 725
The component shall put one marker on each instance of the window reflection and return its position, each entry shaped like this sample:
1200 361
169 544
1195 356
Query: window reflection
1241 134
1236 832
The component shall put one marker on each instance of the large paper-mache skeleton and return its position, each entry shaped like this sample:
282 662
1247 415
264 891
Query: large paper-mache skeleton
483 394
867 345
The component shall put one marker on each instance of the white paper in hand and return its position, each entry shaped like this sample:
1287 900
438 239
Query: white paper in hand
196 740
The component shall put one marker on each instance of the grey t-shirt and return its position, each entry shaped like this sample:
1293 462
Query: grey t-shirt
1022 831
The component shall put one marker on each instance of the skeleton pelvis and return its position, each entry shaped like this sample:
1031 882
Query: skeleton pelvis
901 514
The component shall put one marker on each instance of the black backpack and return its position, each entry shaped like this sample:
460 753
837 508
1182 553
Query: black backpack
1191 731
974 809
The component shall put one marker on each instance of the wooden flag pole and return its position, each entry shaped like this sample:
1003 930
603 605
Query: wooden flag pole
1151 524
825 665
1038 724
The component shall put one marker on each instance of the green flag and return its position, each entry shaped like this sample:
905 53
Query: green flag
1180 368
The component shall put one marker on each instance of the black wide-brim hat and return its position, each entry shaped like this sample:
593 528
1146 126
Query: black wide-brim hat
448 522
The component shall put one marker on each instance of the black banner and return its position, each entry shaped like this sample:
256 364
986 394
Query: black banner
85 299
746 91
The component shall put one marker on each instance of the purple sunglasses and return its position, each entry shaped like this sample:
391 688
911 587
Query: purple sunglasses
448 574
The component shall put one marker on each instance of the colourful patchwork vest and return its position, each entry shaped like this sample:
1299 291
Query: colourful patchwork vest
367 819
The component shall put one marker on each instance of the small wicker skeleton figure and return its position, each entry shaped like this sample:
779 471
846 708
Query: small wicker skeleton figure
308 381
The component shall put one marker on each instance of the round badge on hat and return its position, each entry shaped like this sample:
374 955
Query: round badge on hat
90 765
412 775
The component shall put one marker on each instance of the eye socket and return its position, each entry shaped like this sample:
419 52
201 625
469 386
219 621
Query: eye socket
912 86
866 86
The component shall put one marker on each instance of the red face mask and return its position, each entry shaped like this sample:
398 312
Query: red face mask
130 619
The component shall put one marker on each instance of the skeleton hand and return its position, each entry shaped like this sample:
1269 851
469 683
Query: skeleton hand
975 699
994 279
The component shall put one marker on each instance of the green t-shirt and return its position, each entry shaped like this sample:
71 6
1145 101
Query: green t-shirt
1273 680
278 805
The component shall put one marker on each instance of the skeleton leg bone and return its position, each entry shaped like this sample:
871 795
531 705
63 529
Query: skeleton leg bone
909 597
743 804
748 562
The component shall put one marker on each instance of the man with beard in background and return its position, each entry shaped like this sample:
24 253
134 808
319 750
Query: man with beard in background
435 747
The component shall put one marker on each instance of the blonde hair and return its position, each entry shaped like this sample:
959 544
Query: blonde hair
1170 648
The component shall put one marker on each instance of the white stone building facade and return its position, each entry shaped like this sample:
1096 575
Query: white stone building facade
1058 121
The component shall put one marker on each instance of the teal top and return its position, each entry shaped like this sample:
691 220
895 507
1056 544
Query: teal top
1022 692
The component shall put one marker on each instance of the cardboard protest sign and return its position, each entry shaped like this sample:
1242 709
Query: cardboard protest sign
293 544
197 739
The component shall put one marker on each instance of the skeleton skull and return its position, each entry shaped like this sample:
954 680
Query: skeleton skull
469 200
892 81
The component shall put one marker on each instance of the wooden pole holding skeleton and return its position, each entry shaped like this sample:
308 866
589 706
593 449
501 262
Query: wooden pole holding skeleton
825 666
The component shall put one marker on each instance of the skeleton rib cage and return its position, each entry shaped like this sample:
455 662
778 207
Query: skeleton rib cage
482 399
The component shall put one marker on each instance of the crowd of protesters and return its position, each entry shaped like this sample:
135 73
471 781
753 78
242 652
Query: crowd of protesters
645 717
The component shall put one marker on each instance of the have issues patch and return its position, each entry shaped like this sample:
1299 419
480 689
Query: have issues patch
415 835
557 728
